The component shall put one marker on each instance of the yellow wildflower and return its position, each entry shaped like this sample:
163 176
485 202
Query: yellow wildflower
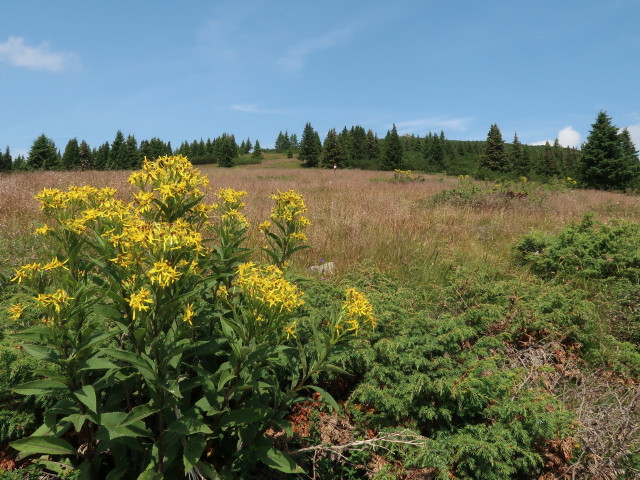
301 237
290 329
16 310
43 230
24 271
57 299
188 314
356 310
140 301
163 274
268 287
53 264
264 226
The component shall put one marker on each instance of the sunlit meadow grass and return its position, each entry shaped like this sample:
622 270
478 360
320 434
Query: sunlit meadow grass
355 215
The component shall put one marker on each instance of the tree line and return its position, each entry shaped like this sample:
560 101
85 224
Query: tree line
125 153
607 160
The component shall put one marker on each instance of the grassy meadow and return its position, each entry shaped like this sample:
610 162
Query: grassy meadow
484 364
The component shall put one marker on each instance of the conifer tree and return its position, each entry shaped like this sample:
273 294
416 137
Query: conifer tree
549 166
332 152
392 150
117 153
373 146
101 156
603 163
85 156
257 151
247 146
132 154
518 165
293 140
494 158
6 162
358 137
43 154
558 156
71 155
310 147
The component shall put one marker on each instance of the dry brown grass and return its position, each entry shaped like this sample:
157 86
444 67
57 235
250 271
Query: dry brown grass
356 216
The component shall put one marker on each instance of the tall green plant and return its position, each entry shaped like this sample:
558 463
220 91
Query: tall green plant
170 355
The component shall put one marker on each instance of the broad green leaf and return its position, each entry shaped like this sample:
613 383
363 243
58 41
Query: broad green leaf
193 451
117 473
42 387
138 413
42 353
278 460
326 397
188 426
96 363
60 468
43 445
77 419
87 395
150 475
242 416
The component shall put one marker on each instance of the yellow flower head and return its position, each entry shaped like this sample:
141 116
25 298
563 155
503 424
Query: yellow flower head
163 274
45 229
140 301
57 299
25 271
188 314
356 310
16 310
268 288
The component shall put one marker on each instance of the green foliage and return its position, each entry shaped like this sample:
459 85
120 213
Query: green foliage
392 150
168 357
43 154
588 249
310 147
495 158
608 159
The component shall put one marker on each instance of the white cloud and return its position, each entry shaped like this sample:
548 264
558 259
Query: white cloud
423 125
296 57
15 52
567 137
254 108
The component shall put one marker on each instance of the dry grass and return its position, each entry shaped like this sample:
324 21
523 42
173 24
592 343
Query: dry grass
357 216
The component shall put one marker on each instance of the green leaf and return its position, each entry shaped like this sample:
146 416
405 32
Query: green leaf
242 416
278 460
193 451
138 413
77 419
188 426
87 395
117 473
43 445
96 363
150 475
42 353
41 387
326 396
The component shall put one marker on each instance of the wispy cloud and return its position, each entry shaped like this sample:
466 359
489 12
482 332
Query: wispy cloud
296 57
255 108
15 52
422 125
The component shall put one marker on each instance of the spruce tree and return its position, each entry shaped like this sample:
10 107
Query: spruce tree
558 156
101 156
517 160
603 163
257 151
392 150
310 147
85 156
117 153
549 167
6 162
373 147
332 152
71 155
494 158
132 154
247 146
358 137
293 140
43 154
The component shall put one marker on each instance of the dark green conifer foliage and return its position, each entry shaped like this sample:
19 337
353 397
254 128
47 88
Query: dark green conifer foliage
154 148
519 167
6 162
294 141
226 150
358 137
71 155
101 156
257 151
603 164
332 152
117 154
570 162
373 146
247 146
310 147
494 158
392 150
133 158
549 165
43 154
86 156
558 156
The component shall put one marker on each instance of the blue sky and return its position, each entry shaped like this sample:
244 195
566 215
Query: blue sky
192 69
